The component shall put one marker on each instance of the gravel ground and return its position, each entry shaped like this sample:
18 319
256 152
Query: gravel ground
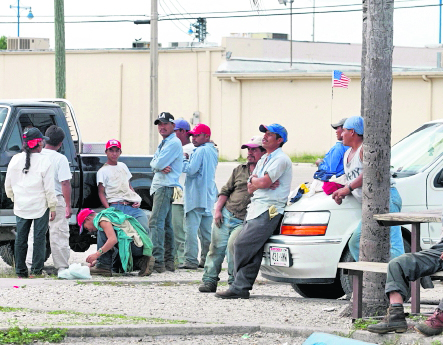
168 298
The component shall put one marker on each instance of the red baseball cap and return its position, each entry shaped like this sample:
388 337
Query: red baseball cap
199 129
112 143
82 216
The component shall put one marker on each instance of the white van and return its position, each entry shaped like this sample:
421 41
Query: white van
314 233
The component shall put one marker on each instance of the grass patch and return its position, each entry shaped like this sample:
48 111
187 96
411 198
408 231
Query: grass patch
16 335
364 323
9 309
223 284
417 317
306 157
223 159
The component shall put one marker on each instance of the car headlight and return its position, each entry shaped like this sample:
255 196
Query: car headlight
305 223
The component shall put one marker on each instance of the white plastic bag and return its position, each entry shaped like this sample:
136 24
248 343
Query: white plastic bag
75 271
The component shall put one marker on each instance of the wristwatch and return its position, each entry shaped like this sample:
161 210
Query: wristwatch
350 188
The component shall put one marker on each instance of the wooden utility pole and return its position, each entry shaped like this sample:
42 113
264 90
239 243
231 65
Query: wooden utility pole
153 52
377 102
60 58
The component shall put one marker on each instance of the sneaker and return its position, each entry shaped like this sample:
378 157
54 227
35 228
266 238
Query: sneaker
159 268
394 321
433 325
146 264
201 264
170 266
207 287
99 271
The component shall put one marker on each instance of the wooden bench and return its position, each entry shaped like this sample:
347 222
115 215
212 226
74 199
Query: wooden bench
356 269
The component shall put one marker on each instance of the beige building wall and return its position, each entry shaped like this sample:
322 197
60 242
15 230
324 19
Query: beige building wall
109 90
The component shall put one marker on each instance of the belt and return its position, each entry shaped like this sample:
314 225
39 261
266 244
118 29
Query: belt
126 203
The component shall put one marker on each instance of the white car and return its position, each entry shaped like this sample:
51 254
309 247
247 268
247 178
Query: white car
314 233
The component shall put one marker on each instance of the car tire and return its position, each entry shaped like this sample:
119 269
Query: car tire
342 284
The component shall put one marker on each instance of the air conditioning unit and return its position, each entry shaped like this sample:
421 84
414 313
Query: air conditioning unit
27 43
143 44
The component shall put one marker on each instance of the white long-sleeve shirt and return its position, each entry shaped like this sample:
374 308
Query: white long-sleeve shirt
32 193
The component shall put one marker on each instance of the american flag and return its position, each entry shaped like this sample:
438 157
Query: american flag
339 79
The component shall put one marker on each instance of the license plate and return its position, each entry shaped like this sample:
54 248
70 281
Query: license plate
280 256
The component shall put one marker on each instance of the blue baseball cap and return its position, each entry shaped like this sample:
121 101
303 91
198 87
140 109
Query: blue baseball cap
356 123
275 128
182 124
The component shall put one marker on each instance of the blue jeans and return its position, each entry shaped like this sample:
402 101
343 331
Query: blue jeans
397 247
161 227
21 244
106 260
197 221
228 231
135 212
178 224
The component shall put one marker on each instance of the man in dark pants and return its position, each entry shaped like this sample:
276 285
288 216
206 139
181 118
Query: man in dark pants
401 270
264 212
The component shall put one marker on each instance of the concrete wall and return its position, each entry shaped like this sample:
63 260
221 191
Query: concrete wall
110 93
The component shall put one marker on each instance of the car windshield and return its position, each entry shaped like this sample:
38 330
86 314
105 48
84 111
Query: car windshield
418 150
3 113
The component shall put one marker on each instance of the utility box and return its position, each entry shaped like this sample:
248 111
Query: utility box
27 43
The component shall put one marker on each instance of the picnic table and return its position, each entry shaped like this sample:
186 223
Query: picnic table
388 219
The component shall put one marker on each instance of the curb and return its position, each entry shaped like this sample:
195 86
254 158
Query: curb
217 329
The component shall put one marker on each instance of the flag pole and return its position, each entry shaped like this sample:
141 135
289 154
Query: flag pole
332 99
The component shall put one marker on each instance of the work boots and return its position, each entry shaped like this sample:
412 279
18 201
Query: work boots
433 325
394 321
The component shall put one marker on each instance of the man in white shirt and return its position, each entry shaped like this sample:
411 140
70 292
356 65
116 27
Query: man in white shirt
181 129
59 227
29 184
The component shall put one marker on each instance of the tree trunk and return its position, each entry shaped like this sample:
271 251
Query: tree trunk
363 56
60 62
375 239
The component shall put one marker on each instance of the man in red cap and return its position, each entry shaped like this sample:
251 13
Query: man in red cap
114 186
117 233
200 196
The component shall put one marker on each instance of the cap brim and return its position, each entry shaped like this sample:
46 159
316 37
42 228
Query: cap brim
45 138
251 146
263 128
156 122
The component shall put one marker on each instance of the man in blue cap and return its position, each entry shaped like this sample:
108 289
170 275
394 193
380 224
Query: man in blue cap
353 130
270 184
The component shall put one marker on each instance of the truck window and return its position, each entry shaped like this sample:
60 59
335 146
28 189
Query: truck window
40 121
3 113
15 140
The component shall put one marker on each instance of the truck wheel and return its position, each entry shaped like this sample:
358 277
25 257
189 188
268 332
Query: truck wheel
7 251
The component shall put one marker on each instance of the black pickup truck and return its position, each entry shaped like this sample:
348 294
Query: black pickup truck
84 159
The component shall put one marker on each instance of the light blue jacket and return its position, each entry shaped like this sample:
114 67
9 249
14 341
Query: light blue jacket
200 187
169 153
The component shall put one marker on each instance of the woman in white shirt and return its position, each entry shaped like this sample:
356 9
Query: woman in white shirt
30 185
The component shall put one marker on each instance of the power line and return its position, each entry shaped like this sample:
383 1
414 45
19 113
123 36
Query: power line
222 17
160 3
